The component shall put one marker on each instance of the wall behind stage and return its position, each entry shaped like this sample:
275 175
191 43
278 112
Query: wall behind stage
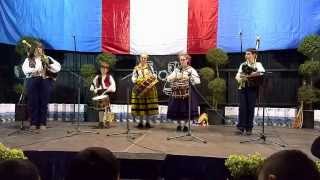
280 89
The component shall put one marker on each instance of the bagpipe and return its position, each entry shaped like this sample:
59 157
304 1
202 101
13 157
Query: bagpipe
253 79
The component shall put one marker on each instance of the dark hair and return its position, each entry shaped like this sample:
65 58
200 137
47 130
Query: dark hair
94 163
315 147
18 169
252 50
289 164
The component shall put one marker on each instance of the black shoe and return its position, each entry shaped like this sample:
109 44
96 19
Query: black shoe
179 128
140 125
185 129
148 126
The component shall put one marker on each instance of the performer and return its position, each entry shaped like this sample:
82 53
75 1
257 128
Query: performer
248 77
144 104
103 84
41 71
178 106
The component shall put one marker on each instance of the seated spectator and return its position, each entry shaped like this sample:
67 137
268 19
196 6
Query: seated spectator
289 165
315 147
94 163
18 169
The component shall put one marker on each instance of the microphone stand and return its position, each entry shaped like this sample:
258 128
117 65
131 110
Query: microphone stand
189 134
262 135
77 130
128 132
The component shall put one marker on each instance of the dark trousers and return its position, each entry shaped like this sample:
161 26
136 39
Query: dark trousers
39 91
248 96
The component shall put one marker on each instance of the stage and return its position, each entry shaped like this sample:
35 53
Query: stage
151 148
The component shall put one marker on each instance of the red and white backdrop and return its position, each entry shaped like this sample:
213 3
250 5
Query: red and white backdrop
159 27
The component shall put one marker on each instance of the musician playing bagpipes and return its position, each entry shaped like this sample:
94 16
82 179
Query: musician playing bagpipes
41 72
144 97
249 78
102 85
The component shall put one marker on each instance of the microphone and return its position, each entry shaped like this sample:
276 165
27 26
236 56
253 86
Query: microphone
257 42
26 43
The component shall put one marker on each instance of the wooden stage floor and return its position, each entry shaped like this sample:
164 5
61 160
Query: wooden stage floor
153 143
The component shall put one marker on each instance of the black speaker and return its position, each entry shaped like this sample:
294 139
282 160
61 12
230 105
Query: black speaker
92 115
21 112
308 119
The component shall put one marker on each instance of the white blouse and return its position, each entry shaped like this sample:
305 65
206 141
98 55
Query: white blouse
94 87
36 71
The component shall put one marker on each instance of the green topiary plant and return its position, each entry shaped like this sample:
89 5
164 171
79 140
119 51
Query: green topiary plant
106 57
207 74
244 165
8 154
310 47
218 89
88 72
215 58
308 94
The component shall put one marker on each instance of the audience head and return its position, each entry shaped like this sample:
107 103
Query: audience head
94 163
288 165
315 147
18 169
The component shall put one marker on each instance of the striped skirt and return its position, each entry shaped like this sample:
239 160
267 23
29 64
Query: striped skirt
146 105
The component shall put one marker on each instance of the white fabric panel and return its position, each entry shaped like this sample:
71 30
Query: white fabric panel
158 27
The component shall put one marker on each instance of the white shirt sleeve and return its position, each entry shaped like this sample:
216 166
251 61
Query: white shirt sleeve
112 87
55 66
93 86
134 76
238 78
260 68
172 76
195 78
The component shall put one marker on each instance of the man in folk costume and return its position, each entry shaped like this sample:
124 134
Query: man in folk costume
103 84
247 76
144 99
41 71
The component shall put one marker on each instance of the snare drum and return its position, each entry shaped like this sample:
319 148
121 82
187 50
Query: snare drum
101 102
180 89
144 86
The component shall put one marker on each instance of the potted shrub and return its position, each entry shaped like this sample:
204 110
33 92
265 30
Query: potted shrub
217 86
307 93
8 154
244 166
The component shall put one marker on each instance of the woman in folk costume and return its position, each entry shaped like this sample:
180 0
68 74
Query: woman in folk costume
178 105
103 84
144 104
